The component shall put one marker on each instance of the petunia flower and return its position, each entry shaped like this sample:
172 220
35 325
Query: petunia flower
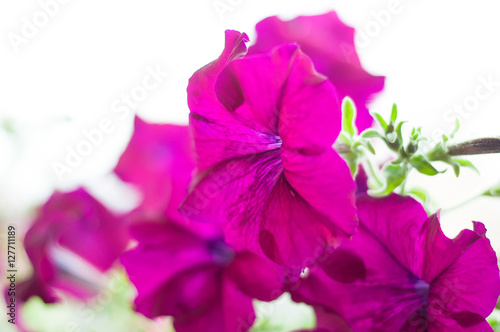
401 273
187 271
77 223
159 161
263 128
330 45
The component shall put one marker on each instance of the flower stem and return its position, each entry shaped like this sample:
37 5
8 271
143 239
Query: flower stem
476 146
470 200
373 174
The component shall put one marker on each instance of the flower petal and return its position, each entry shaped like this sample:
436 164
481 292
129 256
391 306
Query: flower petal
309 112
185 254
234 192
330 45
325 182
231 311
399 224
158 151
468 288
328 321
355 291
256 276
218 135
251 88
440 251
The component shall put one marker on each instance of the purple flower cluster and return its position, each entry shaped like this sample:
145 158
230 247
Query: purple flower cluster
251 200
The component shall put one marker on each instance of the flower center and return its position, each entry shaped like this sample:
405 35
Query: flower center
422 288
221 252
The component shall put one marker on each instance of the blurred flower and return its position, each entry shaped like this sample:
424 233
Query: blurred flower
187 271
72 222
263 128
330 45
158 161
401 273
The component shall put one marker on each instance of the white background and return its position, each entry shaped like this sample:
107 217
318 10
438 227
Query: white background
66 78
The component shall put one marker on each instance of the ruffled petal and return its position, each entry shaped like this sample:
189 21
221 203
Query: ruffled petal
251 88
352 279
309 110
466 292
330 45
218 135
376 304
440 251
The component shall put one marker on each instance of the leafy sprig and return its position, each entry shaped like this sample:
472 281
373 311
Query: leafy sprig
410 152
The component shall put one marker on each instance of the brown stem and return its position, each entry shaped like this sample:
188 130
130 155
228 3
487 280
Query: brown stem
342 148
476 146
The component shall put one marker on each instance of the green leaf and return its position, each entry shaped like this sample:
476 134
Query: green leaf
349 116
494 192
352 162
368 146
394 113
371 133
420 194
466 163
398 161
380 120
456 168
394 176
457 127
420 163
398 130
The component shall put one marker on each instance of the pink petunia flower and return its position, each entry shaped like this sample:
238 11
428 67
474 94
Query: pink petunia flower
187 271
263 128
401 273
330 45
74 222
159 161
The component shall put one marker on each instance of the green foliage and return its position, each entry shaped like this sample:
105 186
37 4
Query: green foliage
408 150
349 117
394 176
493 192
351 146
421 164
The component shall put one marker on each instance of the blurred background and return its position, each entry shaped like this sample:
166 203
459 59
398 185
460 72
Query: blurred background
74 72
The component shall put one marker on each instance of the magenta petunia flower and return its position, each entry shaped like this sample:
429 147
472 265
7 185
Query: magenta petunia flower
330 45
263 128
159 161
187 271
401 273
74 222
